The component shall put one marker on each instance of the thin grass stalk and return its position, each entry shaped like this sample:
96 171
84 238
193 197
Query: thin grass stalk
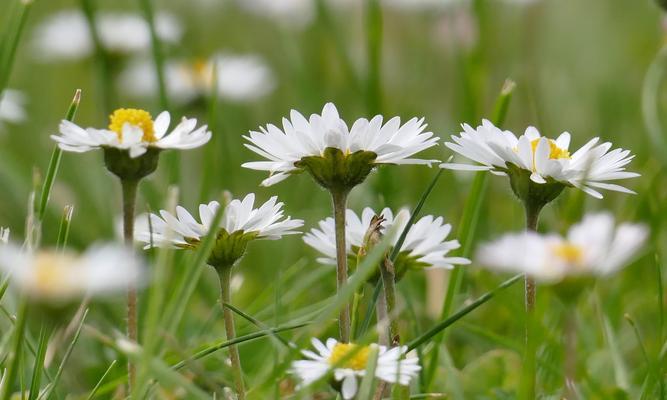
54 163
366 387
105 76
17 345
389 286
12 40
93 392
467 227
38 364
129 200
650 101
339 198
570 362
63 229
225 275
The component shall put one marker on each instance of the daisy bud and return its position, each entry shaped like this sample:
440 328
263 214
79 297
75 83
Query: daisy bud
119 163
533 195
334 170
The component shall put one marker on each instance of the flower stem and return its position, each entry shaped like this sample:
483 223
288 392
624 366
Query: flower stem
528 387
570 364
388 282
129 199
225 274
339 198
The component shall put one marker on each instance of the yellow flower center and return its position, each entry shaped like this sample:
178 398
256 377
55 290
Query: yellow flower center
202 73
132 116
569 253
349 355
555 153
52 272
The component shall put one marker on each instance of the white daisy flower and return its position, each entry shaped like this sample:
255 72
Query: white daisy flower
135 131
240 78
240 222
588 168
12 106
593 247
59 277
348 362
65 35
290 149
425 245
4 235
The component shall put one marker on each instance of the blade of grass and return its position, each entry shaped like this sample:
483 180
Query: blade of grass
11 43
17 345
104 77
467 227
650 101
54 163
91 396
366 387
56 378
257 323
38 364
63 230
441 326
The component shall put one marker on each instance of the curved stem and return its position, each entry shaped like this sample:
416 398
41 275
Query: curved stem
225 275
129 200
339 198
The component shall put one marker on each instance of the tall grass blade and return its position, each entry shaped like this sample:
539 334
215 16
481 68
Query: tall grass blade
38 364
63 230
12 39
93 392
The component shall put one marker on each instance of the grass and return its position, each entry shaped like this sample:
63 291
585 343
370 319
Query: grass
600 77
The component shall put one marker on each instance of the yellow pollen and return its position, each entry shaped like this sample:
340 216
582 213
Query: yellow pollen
569 252
135 117
349 355
555 153
52 272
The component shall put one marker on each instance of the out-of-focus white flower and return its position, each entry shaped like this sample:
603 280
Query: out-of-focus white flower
289 13
240 78
4 235
135 131
348 363
12 103
60 277
66 35
588 168
425 245
364 145
594 247
421 5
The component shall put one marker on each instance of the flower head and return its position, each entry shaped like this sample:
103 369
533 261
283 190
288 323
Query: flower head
532 159
594 247
425 245
134 131
65 35
337 157
57 277
240 224
12 107
348 362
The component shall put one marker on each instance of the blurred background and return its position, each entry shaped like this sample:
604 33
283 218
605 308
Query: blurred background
579 66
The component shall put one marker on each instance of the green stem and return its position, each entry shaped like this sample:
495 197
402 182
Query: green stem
129 200
570 364
225 274
17 344
339 204
389 285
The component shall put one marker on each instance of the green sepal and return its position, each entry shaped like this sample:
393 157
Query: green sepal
119 163
533 195
229 248
337 171
570 289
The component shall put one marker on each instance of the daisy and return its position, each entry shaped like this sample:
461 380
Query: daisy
240 78
425 245
57 277
134 131
12 107
593 247
544 160
240 223
348 363
66 35
304 144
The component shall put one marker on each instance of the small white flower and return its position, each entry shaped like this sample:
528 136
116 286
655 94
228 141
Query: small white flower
12 106
391 142
133 130
65 35
588 168
4 235
184 231
240 78
392 366
60 277
421 5
425 244
593 247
